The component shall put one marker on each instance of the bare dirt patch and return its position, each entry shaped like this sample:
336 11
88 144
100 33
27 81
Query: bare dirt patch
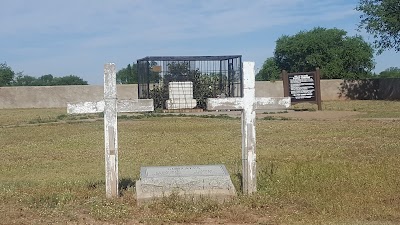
292 114
315 115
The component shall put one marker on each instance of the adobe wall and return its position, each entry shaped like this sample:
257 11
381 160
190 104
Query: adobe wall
59 96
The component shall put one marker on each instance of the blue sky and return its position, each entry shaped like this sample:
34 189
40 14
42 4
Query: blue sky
78 36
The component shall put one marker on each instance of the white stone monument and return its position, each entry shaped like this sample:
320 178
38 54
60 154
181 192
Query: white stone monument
248 104
111 106
180 95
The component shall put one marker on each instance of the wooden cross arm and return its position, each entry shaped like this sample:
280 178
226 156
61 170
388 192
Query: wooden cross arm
85 107
140 105
273 103
237 103
224 104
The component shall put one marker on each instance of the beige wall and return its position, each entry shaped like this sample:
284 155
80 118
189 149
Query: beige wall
58 96
269 89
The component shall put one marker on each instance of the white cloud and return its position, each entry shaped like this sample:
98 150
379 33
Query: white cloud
76 30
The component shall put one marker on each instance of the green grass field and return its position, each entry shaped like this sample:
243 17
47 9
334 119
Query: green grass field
309 171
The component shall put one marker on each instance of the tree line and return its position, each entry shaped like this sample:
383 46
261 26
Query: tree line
9 78
128 75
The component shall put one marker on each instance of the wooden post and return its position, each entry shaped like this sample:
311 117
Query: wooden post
285 80
110 130
249 130
317 80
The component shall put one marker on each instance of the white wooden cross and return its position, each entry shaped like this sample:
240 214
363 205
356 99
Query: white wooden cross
111 106
248 104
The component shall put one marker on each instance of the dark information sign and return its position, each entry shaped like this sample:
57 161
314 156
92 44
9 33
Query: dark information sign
302 87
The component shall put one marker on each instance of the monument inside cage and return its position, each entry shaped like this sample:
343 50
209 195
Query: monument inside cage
185 82
180 95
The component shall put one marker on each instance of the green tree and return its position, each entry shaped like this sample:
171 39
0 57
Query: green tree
128 75
155 72
269 70
179 71
46 80
6 75
69 80
337 55
381 18
392 72
24 80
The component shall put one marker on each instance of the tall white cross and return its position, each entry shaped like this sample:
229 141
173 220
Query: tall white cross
111 106
248 104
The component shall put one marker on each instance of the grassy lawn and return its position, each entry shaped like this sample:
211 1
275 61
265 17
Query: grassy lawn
368 108
309 171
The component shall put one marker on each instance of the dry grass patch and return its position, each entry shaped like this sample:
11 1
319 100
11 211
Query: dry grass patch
21 116
367 108
309 172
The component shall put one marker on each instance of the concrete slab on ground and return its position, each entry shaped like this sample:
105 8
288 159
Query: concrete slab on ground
195 181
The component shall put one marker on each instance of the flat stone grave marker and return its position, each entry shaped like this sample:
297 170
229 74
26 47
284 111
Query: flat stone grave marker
194 181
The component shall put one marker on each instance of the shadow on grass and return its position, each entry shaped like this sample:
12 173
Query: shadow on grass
124 184
240 178
95 184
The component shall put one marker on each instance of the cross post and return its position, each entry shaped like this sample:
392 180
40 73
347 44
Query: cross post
248 104
111 106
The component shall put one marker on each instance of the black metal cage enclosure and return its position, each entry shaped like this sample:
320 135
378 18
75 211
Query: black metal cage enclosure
210 77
